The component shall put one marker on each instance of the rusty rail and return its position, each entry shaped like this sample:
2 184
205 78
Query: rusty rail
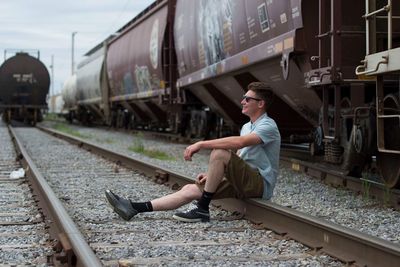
75 250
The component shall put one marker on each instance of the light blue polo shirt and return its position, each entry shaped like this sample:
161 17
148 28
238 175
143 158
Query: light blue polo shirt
264 156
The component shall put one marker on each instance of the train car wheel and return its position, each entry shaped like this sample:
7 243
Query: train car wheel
389 166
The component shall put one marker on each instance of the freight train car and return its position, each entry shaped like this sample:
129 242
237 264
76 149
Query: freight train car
91 89
70 99
141 71
222 46
126 82
24 84
179 52
382 63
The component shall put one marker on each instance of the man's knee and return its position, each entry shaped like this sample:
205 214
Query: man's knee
220 154
191 191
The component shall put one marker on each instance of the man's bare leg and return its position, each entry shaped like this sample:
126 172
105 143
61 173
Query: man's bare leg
219 159
175 200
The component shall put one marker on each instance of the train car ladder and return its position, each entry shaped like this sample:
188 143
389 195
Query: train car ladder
378 64
381 117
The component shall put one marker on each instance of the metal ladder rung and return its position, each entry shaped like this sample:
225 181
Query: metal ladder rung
380 149
388 116
389 151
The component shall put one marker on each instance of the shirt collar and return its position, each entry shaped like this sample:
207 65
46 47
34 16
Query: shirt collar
252 125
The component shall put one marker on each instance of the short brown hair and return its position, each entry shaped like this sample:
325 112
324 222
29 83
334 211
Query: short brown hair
263 91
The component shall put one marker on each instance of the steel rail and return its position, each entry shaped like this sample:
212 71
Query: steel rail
63 222
352 247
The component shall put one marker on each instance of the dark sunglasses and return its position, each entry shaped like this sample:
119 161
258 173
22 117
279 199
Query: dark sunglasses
248 98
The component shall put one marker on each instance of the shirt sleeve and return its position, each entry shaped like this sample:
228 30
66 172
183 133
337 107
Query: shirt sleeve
267 131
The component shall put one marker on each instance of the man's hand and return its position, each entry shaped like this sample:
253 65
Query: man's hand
201 178
190 150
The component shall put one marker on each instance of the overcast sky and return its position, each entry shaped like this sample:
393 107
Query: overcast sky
47 26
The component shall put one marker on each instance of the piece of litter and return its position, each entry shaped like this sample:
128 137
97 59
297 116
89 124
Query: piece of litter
17 174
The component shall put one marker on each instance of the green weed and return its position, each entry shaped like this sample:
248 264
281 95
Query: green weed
138 147
107 140
387 194
366 185
65 129
51 117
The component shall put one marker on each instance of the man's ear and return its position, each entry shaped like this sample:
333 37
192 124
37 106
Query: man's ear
261 103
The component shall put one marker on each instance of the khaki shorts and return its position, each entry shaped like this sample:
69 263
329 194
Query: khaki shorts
240 181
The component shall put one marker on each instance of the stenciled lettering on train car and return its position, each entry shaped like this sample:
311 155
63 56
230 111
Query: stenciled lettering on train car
263 17
24 78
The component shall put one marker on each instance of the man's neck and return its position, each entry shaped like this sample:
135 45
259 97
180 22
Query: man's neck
256 116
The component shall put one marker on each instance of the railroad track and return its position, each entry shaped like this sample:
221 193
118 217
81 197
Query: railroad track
347 245
24 237
79 178
298 158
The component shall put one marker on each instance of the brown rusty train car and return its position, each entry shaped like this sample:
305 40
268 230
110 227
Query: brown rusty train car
137 67
223 46
24 84
183 66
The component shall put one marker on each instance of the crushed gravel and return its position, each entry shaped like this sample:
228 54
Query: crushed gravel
293 189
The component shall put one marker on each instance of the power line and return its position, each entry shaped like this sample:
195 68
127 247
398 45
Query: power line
115 20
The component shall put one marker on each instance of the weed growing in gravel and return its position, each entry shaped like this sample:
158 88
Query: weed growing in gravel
107 140
387 194
65 129
138 147
51 117
366 185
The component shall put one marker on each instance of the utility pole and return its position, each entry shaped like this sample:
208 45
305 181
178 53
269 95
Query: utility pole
50 97
72 53
52 75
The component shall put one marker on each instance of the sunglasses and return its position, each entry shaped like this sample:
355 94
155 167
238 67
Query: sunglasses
248 98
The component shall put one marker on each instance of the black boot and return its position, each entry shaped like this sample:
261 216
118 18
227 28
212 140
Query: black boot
121 206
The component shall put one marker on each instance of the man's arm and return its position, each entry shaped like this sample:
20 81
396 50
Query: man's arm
232 142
